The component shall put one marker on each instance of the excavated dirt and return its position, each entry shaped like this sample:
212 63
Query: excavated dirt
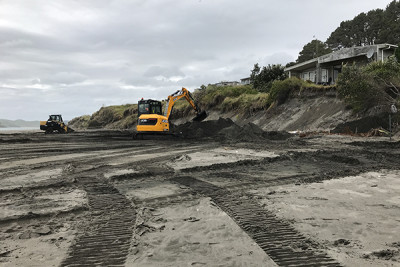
221 195
363 125
224 129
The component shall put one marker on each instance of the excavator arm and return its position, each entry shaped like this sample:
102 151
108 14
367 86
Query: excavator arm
184 93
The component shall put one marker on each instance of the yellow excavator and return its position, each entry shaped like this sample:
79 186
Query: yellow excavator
152 121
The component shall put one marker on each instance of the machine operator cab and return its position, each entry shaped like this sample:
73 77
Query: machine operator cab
150 117
54 124
55 118
149 106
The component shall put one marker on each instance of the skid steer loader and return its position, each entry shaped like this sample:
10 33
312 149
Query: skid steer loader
54 124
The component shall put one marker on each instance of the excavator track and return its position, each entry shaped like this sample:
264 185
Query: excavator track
285 245
106 240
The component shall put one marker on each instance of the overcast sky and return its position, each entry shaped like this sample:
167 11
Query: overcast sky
74 56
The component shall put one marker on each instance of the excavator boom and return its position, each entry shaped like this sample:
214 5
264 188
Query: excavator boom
184 93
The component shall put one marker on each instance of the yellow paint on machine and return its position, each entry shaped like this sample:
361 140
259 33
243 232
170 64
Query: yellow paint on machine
161 125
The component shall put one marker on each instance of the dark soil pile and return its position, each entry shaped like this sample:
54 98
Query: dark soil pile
196 130
226 130
249 132
363 125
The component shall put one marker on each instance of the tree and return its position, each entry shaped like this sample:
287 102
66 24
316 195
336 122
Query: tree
397 53
391 24
253 76
340 37
373 27
262 78
313 49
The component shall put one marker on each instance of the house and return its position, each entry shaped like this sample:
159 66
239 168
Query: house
226 83
245 81
325 69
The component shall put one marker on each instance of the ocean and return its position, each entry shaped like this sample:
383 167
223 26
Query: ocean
18 129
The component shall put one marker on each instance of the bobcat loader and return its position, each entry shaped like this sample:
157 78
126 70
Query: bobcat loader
54 124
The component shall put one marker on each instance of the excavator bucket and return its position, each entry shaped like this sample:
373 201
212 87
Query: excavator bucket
200 116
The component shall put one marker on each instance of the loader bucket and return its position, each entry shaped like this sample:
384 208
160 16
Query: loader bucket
70 130
200 116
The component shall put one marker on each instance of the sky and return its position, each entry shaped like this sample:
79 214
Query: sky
72 57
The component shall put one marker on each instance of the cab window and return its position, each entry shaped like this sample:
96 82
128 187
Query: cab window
144 108
155 108
55 118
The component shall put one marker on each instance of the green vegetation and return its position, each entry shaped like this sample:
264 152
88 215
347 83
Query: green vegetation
215 95
376 84
246 99
124 116
397 53
246 103
262 79
81 122
280 90
119 117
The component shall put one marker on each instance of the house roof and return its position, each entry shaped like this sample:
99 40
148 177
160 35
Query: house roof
342 54
303 65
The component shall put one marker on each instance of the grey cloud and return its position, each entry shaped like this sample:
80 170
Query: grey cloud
64 78
167 72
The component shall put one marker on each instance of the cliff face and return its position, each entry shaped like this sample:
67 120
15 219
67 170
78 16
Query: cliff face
311 111
318 113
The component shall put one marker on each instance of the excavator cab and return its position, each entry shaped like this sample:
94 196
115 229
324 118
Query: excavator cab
149 106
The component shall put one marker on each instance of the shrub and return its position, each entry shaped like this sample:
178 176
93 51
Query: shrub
215 95
376 84
387 70
280 90
247 103
355 88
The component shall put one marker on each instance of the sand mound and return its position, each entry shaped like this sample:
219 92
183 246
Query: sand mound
226 130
